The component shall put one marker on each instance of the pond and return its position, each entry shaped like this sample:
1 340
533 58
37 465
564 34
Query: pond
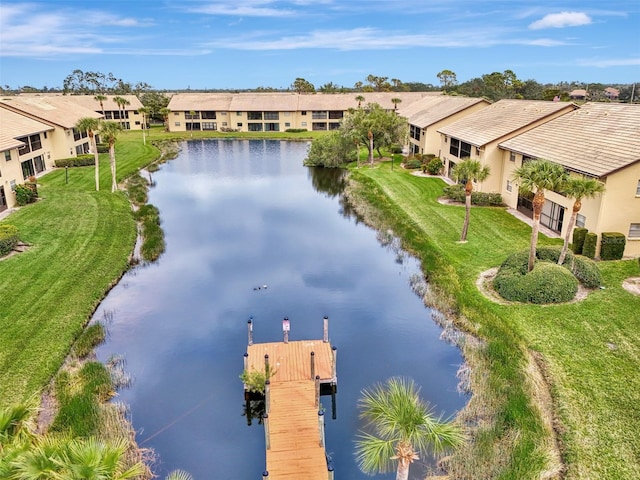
238 215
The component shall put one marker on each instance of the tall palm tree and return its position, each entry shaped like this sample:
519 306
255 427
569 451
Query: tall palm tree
577 188
109 132
536 176
122 103
395 102
91 125
144 111
165 111
101 98
469 171
360 99
404 427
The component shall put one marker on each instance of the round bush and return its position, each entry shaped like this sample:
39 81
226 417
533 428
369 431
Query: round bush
546 283
8 238
586 271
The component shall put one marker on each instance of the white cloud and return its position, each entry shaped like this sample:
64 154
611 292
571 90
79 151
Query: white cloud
561 20
609 62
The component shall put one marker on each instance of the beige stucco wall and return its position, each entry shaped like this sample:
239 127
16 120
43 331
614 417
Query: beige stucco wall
10 173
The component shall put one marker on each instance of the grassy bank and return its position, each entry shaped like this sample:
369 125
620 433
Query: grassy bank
588 350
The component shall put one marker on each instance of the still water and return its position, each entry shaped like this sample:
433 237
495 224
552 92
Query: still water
238 215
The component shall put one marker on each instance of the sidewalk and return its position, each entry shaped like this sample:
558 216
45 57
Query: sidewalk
5 213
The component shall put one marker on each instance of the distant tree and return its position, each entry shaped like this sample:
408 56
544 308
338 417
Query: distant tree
300 85
395 102
330 150
447 79
577 188
360 99
537 176
91 125
468 171
109 132
329 87
420 87
164 111
358 85
154 101
377 84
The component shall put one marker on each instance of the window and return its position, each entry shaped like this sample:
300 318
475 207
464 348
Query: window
334 125
581 220
192 115
303 113
319 126
27 169
109 116
287 124
509 186
414 132
271 127
303 124
319 115
638 189
224 124
336 114
177 124
192 126
238 114
254 127
7 155
634 230
254 115
512 156
39 164
271 115
239 124
176 113
79 149
137 122
76 134
209 126
460 149
12 184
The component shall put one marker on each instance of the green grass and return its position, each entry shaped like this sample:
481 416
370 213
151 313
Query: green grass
590 349
80 244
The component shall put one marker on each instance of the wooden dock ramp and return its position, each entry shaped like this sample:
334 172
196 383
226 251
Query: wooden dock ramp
294 428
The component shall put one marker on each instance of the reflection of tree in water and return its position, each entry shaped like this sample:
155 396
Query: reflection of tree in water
330 181
388 240
253 409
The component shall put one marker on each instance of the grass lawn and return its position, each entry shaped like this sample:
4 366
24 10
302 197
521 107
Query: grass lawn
590 350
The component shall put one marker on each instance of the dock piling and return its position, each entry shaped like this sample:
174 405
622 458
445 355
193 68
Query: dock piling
265 475
321 426
317 390
267 396
286 326
313 365
250 330
325 329
334 365
267 436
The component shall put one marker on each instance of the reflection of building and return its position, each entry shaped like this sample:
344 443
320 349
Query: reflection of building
274 112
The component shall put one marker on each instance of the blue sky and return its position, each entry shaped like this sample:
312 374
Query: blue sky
251 43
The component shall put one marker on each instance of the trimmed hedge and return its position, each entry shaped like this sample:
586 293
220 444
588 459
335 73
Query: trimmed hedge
8 239
546 283
589 247
102 147
83 160
612 245
456 193
578 239
295 130
586 271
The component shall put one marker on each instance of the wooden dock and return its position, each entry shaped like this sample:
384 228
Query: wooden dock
294 420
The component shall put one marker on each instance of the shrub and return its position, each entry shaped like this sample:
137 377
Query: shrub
586 271
413 163
589 247
612 245
294 130
517 261
8 239
102 147
395 149
25 194
546 283
434 167
456 193
578 239
83 160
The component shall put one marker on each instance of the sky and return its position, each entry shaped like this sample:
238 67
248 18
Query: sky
237 44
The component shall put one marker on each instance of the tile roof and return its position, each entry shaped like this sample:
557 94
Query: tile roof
430 110
14 125
500 119
89 101
596 139
287 101
55 110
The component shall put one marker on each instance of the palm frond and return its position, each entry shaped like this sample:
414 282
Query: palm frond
374 455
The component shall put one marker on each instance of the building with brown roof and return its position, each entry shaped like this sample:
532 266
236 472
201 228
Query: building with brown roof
25 150
479 134
427 115
279 111
598 140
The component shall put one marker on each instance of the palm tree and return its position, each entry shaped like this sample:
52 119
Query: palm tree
96 460
404 427
469 171
144 111
165 111
360 99
122 102
536 176
91 125
578 188
179 475
101 98
109 131
395 102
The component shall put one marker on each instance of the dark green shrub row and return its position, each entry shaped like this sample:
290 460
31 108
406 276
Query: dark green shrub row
8 239
589 247
612 245
579 233
412 163
395 149
546 283
456 193
586 271
26 193
83 160
296 130
102 147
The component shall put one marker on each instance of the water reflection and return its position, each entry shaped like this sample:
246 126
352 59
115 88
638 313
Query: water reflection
238 214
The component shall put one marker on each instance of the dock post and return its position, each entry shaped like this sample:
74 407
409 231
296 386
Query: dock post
285 329
266 365
265 421
250 330
334 373
325 330
267 396
321 426
317 390
246 360
334 413
265 475
313 365
330 470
